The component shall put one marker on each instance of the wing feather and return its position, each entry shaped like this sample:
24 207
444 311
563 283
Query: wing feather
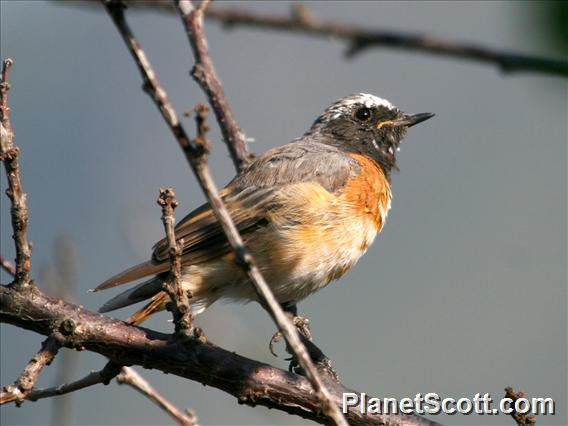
249 198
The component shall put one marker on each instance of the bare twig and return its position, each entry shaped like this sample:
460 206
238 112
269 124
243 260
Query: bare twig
130 377
359 38
204 73
9 154
20 390
251 382
180 301
7 266
104 376
520 419
197 160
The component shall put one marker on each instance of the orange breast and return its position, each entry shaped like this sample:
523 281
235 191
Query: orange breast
369 193
317 236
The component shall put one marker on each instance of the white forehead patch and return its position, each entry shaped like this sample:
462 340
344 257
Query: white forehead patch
364 98
345 105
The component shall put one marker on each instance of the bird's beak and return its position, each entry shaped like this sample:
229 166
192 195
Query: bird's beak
411 120
406 120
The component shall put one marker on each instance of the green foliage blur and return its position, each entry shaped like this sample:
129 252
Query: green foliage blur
553 23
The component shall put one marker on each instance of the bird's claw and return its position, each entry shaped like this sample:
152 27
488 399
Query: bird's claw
277 337
323 366
302 324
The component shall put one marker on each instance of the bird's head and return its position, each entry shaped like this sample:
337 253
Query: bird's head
368 125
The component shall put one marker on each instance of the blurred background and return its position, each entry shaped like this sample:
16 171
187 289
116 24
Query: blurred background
464 291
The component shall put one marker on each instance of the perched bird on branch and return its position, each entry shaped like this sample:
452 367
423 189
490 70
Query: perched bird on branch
307 211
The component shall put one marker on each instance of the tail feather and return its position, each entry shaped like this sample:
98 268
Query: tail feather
133 295
158 303
136 272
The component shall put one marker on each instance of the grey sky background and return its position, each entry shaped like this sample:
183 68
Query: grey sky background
463 292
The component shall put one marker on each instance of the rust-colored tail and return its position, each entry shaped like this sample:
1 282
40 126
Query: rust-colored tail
158 303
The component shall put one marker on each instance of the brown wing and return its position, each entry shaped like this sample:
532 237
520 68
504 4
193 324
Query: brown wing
202 235
248 198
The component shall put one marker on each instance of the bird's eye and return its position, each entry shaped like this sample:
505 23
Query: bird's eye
363 114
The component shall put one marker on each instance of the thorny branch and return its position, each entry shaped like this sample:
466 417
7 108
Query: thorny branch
130 377
197 160
21 389
9 154
179 298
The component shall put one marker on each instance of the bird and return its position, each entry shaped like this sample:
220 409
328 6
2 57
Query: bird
307 211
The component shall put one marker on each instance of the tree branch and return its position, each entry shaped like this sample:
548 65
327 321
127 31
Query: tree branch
104 376
359 38
7 266
9 154
180 299
197 158
130 377
205 75
250 381
20 390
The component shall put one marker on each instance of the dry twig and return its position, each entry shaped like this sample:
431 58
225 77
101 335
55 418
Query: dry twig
197 160
130 377
20 390
9 154
7 266
520 419
104 376
360 38
205 75
180 298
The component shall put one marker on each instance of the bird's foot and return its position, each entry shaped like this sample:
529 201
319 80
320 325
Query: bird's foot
302 324
320 360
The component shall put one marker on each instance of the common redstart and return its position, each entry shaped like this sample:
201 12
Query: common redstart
307 211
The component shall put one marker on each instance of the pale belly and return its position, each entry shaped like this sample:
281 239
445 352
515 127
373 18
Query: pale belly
298 253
